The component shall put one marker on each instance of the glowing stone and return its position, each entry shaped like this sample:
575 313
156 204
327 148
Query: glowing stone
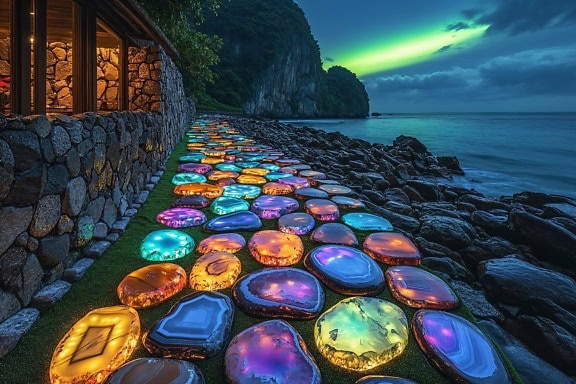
296 223
301 167
226 181
207 190
418 288
287 162
344 202
275 176
272 207
217 175
228 167
345 270
224 242
247 164
191 201
157 371
95 346
151 285
195 168
196 327
361 333
166 245
185 178
275 248
224 204
294 181
322 209
309 174
215 270
232 222
310 193
181 217
212 160
270 167
458 348
194 157
373 379
318 182
242 191
391 248
335 189
270 352
334 233
276 189
366 222
255 171
289 293
251 179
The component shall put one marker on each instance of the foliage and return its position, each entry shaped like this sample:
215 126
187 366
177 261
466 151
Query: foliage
343 94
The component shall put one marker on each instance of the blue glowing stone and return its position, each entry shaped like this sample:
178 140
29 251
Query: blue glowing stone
272 207
185 178
166 245
228 167
296 223
224 204
243 191
232 222
367 222
275 176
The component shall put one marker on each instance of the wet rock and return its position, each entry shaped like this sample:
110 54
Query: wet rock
14 221
397 220
473 255
476 301
454 233
397 207
451 163
398 195
430 249
546 308
448 267
429 191
497 246
559 210
483 203
496 225
538 200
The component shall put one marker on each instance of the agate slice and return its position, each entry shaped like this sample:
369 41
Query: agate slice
275 248
233 222
276 189
192 201
181 217
373 379
366 222
196 327
224 242
270 352
151 285
225 204
185 178
418 288
215 270
242 191
458 348
207 190
152 370
344 202
391 248
310 193
361 333
166 245
288 293
95 346
334 233
296 223
295 182
345 270
322 209
272 207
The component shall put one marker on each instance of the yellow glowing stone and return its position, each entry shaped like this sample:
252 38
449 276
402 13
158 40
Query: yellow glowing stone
212 160
207 190
251 179
274 188
275 248
215 270
255 171
95 346
218 175
214 153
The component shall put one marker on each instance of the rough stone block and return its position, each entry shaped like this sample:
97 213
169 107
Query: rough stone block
45 298
77 271
15 327
120 225
97 249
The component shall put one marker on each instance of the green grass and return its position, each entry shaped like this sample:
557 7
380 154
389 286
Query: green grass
29 362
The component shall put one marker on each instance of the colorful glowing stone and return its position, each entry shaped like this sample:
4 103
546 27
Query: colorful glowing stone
301 167
418 288
275 248
247 164
276 189
228 167
181 217
151 285
195 168
309 174
373 379
361 333
207 190
296 223
275 176
217 175
294 181
251 179
166 245
318 182
366 222
191 158
152 370
335 189
191 201
226 181
270 167
242 191
255 171
233 222
458 348
345 270
309 193
334 233
225 242
391 248
210 153
196 327
224 204
322 209
212 160
344 202
215 270
185 178
287 162
272 207
95 346
288 293
270 352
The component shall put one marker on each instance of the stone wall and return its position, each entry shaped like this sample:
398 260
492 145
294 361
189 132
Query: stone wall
108 79
4 71
59 76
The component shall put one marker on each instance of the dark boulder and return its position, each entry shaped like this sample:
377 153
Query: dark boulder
454 233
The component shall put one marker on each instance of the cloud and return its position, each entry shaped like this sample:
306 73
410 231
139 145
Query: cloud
444 49
329 59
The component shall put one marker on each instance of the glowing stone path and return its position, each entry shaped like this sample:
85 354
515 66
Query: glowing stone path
157 371
361 333
166 245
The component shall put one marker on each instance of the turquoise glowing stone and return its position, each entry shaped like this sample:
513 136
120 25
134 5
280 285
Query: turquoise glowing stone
186 178
242 191
366 222
165 245
193 157
228 167
247 164
224 204
275 176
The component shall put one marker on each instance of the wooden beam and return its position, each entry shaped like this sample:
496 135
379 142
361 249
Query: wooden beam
20 69
40 57
78 76
123 72
91 61
84 57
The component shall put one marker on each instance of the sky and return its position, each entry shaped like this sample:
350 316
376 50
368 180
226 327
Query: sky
453 55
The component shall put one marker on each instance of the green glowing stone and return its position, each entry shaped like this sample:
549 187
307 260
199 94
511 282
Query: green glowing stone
165 245
225 204
185 178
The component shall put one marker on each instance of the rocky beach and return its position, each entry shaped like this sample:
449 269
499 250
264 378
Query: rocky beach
511 260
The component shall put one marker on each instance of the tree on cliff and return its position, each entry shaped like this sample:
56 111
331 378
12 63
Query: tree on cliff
343 94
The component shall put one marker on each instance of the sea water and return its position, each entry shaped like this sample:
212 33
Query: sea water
500 153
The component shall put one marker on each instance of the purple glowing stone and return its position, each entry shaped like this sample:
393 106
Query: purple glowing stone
345 270
288 293
310 193
334 233
191 201
270 352
296 223
195 168
181 217
294 181
237 221
272 207
322 209
458 348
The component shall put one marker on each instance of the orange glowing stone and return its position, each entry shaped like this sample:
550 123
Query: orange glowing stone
218 175
214 153
275 248
391 248
212 160
207 190
255 171
215 270
151 285
322 209
251 179
276 189
95 346
223 242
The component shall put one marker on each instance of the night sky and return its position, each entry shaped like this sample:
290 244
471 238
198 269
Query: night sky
453 55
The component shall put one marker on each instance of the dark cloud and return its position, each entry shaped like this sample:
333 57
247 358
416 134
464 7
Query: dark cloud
329 59
458 26
443 49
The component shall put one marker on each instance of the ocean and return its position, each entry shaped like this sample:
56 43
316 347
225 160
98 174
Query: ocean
501 153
